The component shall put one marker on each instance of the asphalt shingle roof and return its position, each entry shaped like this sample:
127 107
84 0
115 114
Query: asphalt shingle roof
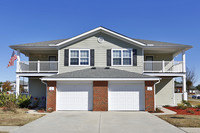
100 72
159 43
43 43
54 42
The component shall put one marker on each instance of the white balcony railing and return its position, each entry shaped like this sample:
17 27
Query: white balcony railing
163 66
37 66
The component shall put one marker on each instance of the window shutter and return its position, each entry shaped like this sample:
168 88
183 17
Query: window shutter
66 57
91 57
134 57
108 57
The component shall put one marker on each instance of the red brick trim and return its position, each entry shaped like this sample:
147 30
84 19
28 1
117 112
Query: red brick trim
51 96
149 96
100 95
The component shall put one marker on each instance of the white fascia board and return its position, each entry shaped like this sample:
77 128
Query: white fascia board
100 79
35 74
103 29
166 74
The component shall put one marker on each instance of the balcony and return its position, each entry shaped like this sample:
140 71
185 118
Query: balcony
37 67
163 66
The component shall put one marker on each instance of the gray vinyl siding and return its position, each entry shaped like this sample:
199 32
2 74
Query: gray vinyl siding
42 56
37 88
160 57
100 53
165 92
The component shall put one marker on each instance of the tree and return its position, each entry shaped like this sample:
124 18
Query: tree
190 78
198 87
6 86
21 89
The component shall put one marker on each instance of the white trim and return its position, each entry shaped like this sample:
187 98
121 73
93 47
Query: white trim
173 91
36 74
100 79
122 56
79 58
96 30
165 74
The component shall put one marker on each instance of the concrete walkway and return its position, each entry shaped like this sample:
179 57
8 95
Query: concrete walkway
8 128
98 122
191 130
166 112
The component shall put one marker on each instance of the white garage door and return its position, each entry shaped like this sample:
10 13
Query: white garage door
126 96
74 96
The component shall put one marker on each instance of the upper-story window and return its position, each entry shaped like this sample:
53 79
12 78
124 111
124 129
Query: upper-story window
79 57
122 57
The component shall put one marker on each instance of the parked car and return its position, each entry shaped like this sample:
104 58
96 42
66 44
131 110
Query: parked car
194 96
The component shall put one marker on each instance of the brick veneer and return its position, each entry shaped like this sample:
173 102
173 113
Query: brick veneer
100 96
51 96
149 96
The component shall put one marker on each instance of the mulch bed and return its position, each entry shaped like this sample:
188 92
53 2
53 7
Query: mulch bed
188 111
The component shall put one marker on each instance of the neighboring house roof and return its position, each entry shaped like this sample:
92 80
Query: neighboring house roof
181 85
139 42
99 72
178 85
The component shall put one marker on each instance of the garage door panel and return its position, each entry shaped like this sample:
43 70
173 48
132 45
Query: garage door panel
126 96
74 96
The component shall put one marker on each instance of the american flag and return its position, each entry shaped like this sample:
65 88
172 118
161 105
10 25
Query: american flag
12 59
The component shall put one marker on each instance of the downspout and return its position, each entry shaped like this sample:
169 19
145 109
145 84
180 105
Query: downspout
155 93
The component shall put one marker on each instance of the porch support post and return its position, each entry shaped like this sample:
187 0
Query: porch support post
17 84
163 66
184 88
184 61
18 60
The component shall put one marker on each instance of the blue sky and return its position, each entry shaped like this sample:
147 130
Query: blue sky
25 21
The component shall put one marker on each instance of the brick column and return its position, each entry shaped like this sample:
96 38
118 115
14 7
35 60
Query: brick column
51 96
149 96
100 96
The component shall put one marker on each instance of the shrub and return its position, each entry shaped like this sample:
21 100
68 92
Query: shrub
23 101
181 106
197 106
190 111
187 103
4 98
10 106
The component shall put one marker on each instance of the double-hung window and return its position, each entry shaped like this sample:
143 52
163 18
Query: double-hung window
121 57
79 57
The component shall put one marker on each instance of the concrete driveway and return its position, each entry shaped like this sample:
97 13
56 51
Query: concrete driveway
98 122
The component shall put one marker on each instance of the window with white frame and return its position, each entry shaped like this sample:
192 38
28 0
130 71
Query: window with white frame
79 57
121 57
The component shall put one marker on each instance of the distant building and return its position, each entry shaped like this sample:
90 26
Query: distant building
179 88
23 84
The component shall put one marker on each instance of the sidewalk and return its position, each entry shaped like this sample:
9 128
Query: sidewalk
190 129
8 128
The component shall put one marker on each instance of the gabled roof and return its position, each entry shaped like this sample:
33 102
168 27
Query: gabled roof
103 30
138 42
100 73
